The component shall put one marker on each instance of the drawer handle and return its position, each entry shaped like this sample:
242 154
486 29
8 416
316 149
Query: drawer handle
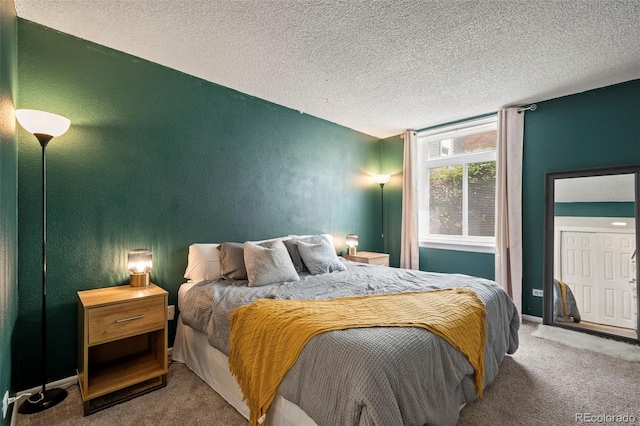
129 319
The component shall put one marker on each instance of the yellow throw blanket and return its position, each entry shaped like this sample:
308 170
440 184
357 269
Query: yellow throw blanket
268 335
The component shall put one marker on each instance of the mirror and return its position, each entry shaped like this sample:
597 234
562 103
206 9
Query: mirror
591 239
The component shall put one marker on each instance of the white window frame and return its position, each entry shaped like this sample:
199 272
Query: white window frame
452 242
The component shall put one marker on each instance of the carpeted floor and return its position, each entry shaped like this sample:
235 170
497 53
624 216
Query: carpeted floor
543 383
589 342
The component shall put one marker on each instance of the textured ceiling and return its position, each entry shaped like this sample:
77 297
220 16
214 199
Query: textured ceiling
595 189
379 67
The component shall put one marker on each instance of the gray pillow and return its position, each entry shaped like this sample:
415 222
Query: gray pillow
232 261
294 253
268 265
320 258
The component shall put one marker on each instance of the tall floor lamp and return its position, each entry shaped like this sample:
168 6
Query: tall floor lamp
382 179
44 126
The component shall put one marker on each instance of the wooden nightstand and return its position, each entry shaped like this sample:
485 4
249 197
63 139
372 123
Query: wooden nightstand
369 257
122 344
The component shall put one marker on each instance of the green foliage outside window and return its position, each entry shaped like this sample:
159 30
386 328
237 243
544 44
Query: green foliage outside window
445 199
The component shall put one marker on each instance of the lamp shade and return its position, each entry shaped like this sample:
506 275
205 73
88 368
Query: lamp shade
352 243
44 123
381 179
139 261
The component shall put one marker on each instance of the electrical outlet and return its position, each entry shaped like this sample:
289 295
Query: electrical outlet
537 292
5 404
171 312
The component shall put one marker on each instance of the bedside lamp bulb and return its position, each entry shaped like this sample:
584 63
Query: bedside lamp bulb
139 263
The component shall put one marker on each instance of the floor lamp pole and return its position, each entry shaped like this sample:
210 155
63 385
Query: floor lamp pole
382 212
38 122
44 266
381 180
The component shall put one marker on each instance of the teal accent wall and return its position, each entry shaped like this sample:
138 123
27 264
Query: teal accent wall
593 209
598 128
159 159
458 262
8 193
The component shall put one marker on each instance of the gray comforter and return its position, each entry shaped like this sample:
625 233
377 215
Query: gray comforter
369 376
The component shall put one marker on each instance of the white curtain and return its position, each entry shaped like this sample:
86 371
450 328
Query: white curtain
409 249
509 203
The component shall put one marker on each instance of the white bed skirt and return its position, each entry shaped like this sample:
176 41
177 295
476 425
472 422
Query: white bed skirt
192 348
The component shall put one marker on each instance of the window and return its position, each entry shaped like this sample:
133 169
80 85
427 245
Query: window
457 186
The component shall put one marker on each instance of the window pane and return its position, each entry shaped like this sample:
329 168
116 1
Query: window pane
482 199
479 142
445 200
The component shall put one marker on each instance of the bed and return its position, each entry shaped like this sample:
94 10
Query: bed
360 376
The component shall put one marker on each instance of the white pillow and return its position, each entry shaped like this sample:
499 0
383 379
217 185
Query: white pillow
203 262
268 265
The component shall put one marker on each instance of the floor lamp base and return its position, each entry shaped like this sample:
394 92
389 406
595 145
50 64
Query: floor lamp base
42 401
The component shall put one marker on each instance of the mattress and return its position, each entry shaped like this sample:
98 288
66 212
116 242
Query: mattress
439 379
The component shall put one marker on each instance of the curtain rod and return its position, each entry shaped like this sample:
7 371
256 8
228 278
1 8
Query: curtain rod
531 107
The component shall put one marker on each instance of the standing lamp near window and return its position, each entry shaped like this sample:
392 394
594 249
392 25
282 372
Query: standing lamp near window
381 180
44 126
139 263
352 244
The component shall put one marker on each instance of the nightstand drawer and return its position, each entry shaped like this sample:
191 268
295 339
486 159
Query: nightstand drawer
125 319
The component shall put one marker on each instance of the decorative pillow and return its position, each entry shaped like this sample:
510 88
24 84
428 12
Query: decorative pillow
320 258
327 237
203 262
294 253
268 265
232 261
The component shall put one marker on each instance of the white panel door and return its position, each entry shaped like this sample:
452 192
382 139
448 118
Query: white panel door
615 301
578 271
597 268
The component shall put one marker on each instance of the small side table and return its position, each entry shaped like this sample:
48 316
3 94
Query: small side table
369 257
122 342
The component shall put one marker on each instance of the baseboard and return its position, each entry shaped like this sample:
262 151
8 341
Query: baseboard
531 318
62 383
